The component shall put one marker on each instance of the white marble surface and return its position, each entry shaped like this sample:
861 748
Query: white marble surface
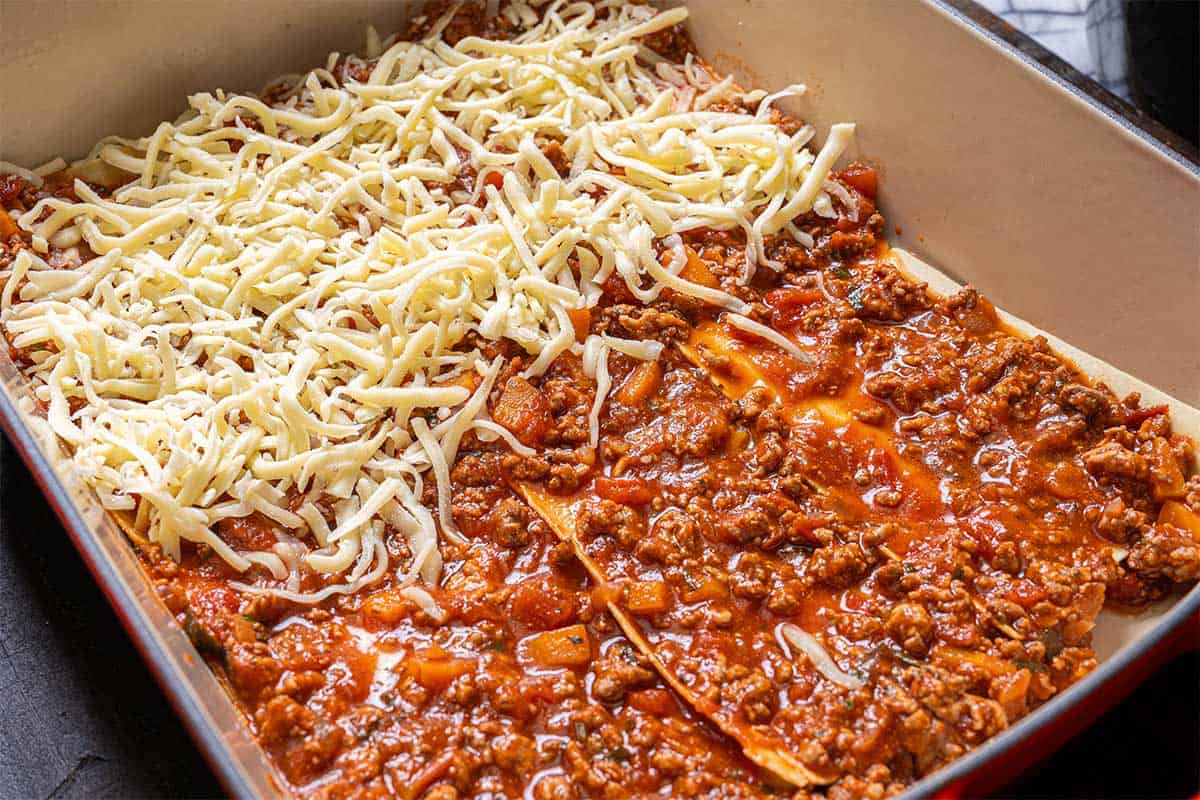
1087 34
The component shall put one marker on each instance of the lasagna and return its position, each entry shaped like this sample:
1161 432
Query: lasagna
524 409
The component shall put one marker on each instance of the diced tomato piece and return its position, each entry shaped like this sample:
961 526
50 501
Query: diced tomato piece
789 303
494 179
957 657
640 384
524 410
647 597
1011 691
360 666
1175 513
435 671
803 528
658 702
629 491
565 647
788 297
431 773
1139 415
542 602
1025 593
706 590
386 607
8 226
697 271
862 178
617 290
581 321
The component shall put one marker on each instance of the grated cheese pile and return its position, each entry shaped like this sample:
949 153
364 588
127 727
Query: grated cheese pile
278 307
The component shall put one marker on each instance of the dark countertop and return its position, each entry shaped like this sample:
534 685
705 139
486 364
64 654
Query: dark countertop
81 714
83 718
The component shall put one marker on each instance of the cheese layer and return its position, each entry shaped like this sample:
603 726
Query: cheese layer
282 290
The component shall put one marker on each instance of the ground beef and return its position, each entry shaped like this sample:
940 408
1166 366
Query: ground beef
754 695
673 537
839 565
890 297
478 469
1096 404
620 669
640 322
751 578
912 627
1118 522
1113 460
1167 551
514 524
606 518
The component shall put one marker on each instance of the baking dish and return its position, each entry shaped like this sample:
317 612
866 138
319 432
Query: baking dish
965 167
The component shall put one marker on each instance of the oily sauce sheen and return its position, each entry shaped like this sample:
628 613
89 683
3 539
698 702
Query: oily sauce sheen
944 506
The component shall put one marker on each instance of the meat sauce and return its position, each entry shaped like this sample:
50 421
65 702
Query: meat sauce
941 506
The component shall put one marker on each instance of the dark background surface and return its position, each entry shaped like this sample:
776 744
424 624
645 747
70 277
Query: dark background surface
81 716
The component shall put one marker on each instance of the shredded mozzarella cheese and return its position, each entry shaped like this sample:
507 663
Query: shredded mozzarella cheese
773 336
283 285
806 643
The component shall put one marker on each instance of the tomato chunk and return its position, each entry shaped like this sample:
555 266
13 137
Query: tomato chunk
1025 593
565 647
542 602
386 607
628 491
1140 415
789 303
706 590
647 597
640 384
862 178
435 669
1175 513
955 657
494 179
697 271
581 321
8 227
652 701
524 410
